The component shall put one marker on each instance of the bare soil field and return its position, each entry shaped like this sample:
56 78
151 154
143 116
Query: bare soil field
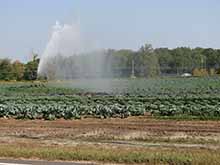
135 134
133 128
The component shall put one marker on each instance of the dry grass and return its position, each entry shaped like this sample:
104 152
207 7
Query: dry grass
113 154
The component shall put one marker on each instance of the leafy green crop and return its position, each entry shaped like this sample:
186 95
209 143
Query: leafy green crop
173 97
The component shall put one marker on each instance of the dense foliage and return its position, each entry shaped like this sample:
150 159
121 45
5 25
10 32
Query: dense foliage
145 62
178 98
18 71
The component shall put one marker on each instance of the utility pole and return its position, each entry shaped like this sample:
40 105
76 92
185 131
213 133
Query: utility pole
132 69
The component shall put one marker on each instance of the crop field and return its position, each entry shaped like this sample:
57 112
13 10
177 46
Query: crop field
177 98
130 121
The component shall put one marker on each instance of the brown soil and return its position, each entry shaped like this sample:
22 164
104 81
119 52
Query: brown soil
135 129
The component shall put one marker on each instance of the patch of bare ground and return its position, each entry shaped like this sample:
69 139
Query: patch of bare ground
132 135
134 129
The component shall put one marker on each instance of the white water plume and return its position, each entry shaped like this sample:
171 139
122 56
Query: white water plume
68 55
68 52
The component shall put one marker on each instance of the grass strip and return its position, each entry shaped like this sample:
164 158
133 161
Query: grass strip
113 155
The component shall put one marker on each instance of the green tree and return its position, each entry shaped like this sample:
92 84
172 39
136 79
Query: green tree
166 60
6 69
147 61
18 70
122 62
198 58
31 68
211 57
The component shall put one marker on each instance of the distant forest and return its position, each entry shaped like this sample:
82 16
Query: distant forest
146 62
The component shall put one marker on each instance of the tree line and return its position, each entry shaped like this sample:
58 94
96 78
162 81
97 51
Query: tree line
145 62
149 62
18 71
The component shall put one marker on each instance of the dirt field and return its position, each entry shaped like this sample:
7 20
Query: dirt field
131 133
140 129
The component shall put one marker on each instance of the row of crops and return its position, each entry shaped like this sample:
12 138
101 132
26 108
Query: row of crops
75 107
170 98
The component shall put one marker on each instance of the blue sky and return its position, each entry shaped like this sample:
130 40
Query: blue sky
26 24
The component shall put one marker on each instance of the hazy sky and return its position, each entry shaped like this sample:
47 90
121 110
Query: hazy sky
26 24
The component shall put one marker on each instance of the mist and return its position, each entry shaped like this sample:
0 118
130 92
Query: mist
69 56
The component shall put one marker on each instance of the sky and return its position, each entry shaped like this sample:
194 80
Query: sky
25 25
